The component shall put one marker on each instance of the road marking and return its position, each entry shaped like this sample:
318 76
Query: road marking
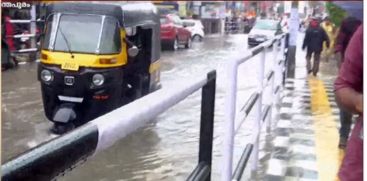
329 156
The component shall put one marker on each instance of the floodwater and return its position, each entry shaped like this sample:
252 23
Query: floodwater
166 148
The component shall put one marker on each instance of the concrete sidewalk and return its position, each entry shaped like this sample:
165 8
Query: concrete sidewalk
305 139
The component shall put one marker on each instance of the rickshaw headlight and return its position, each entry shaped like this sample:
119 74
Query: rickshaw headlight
98 79
47 75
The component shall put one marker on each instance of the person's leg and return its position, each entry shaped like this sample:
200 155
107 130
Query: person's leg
316 63
308 61
351 168
345 124
327 54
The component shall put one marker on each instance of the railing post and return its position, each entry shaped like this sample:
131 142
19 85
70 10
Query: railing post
284 58
33 25
257 120
207 121
282 48
33 31
230 106
281 66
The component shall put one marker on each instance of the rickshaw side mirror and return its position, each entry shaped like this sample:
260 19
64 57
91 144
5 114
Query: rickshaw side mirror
133 51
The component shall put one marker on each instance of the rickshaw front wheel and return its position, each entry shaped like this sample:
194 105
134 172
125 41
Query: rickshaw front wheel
61 128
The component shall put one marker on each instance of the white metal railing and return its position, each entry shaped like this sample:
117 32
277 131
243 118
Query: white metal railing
32 35
103 132
275 78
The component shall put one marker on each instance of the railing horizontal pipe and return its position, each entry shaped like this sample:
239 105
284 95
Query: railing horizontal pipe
270 75
51 159
267 44
250 103
25 50
256 50
247 56
280 62
22 36
277 89
19 21
242 163
112 126
200 173
247 108
265 112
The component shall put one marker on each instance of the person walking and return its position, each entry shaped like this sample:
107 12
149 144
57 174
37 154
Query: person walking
348 26
313 41
349 94
329 28
7 29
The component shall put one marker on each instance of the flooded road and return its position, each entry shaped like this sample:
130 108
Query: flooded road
167 148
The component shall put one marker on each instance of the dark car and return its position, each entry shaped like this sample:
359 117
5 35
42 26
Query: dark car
173 32
263 30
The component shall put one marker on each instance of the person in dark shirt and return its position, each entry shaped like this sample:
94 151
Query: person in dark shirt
313 41
348 27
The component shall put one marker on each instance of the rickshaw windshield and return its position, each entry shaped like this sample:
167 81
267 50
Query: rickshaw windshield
92 34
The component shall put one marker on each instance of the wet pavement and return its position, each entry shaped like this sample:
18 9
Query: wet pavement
305 140
167 148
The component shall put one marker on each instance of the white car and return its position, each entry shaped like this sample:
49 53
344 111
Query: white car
196 29
263 30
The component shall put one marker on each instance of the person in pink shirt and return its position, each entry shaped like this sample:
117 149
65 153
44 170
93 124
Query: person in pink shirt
348 27
7 29
349 94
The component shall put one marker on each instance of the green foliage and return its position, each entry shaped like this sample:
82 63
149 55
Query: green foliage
336 14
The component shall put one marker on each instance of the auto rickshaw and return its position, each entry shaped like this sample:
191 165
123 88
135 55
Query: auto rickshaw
96 57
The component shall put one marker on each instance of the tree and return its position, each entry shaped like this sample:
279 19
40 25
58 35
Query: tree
336 14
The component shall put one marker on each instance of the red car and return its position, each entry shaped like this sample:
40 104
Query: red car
173 32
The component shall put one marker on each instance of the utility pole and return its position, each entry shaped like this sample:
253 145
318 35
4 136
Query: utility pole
293 31
33 28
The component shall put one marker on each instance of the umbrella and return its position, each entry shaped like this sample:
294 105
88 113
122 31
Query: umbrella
353 8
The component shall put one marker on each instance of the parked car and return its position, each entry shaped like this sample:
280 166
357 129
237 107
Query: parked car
173 33
196 28
263 30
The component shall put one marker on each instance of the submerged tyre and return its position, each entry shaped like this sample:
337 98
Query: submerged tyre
188 44
197 38
174 45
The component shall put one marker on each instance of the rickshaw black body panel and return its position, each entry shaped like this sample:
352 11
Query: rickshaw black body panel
137 16
96 100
